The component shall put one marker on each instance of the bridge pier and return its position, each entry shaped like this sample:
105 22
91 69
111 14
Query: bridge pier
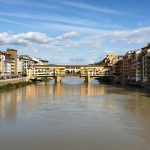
87 79
58 79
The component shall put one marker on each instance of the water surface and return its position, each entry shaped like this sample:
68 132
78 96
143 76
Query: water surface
74 116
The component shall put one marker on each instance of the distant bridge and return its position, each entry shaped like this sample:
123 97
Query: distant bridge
58 72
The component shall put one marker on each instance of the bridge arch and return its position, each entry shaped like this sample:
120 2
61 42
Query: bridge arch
72 79
87 79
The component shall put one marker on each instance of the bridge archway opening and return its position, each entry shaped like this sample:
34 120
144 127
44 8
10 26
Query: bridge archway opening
77 80
72 80
67 72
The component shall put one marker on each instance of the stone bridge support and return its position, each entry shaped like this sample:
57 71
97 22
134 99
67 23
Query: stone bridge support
87 79
57 79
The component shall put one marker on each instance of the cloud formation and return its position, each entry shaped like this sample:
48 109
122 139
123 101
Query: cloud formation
136 36
90 7
32 38
67 40
66 36
90 46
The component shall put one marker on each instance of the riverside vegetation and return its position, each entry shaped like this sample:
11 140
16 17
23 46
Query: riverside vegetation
14 85
7 86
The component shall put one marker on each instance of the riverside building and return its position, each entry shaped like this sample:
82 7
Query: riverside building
12 65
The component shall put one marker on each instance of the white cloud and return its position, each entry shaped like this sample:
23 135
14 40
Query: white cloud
36 41
23 38
90 7
67 36
3 38
33 38
84 59
136 36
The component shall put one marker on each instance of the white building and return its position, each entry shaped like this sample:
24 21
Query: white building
138 68
42 61
39 61
5 66
19 66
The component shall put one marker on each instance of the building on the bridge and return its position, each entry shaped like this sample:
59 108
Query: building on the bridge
40 71
58 72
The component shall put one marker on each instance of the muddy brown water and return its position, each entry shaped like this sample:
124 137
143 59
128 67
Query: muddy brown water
73 115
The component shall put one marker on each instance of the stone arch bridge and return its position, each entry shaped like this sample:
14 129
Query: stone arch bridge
58 72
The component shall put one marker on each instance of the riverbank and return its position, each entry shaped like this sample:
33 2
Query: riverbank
18 82
14 85
14 80
107 80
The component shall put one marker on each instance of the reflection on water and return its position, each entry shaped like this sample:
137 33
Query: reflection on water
74 115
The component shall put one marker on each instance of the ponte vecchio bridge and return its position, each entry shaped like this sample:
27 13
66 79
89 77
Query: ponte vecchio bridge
58 72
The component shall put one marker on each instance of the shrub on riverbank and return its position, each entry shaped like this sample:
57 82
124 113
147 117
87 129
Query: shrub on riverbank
13 85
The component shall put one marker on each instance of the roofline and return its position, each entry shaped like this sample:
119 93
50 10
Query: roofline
11 49
71 66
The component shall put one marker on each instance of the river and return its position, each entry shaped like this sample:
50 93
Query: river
73 115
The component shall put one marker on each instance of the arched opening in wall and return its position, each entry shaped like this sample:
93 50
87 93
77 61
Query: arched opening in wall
94 81
73 72
78 72
67 72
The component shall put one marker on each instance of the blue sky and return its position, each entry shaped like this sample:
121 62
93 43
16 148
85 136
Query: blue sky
74 31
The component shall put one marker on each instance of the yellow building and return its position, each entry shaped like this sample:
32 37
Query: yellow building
12 63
